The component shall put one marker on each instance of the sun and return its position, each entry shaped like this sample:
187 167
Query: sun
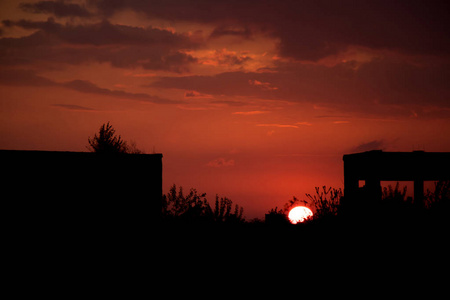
299 214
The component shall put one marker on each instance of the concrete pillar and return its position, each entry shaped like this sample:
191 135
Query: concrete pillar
373 189
418 192
351 187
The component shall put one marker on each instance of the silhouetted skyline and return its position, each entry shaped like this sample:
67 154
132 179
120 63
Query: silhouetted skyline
253 100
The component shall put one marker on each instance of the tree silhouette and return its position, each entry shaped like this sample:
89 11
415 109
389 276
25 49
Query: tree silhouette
195 207
222 211
190 206
107 142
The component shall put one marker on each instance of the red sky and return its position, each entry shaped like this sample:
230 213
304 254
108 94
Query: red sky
253 100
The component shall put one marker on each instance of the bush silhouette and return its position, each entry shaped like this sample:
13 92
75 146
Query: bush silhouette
194 207
326 202
438 201
107 142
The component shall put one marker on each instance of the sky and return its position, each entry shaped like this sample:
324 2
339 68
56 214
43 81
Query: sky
253 100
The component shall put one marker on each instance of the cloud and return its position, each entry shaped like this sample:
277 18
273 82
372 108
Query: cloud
263 85
190 94
73 107
224 57
221 162
380 87
226 30
85 86
312 29
306 30
372 145
394 63
228 83
21 77
250 113
120 45
277 125
57 8
104 33
195 94
303 123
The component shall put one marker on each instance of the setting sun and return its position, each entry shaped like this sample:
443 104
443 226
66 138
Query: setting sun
299 214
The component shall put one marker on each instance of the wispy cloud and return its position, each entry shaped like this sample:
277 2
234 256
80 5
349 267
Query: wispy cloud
15 77
277 125
221 162
225 58
57 8
304 123
73 107
195 94
85 86
372 145
250 113
263 85
333 116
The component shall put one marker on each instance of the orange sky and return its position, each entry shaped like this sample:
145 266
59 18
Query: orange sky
253 100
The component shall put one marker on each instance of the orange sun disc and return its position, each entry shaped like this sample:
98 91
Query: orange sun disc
299 214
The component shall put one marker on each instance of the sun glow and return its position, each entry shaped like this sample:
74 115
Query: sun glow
299 214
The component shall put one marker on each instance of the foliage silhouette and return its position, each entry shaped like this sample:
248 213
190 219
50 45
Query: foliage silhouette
195 207
394 194
395 197
276 216
326 202
294 202
107 142
222 211
394 208
438 201
177 205
440 196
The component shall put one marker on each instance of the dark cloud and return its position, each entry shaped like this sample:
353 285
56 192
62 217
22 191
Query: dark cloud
21 77
229 84
372 145
224 57
313 29
173 61
122 46
12 77
394 82
57 8
380 87
85 86
104 33
73 107
307 30
224 30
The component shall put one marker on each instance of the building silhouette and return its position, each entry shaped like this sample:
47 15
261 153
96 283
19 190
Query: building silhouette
376 166
82 188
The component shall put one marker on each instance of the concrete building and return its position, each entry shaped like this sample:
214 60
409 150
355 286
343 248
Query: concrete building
82 187
376 166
